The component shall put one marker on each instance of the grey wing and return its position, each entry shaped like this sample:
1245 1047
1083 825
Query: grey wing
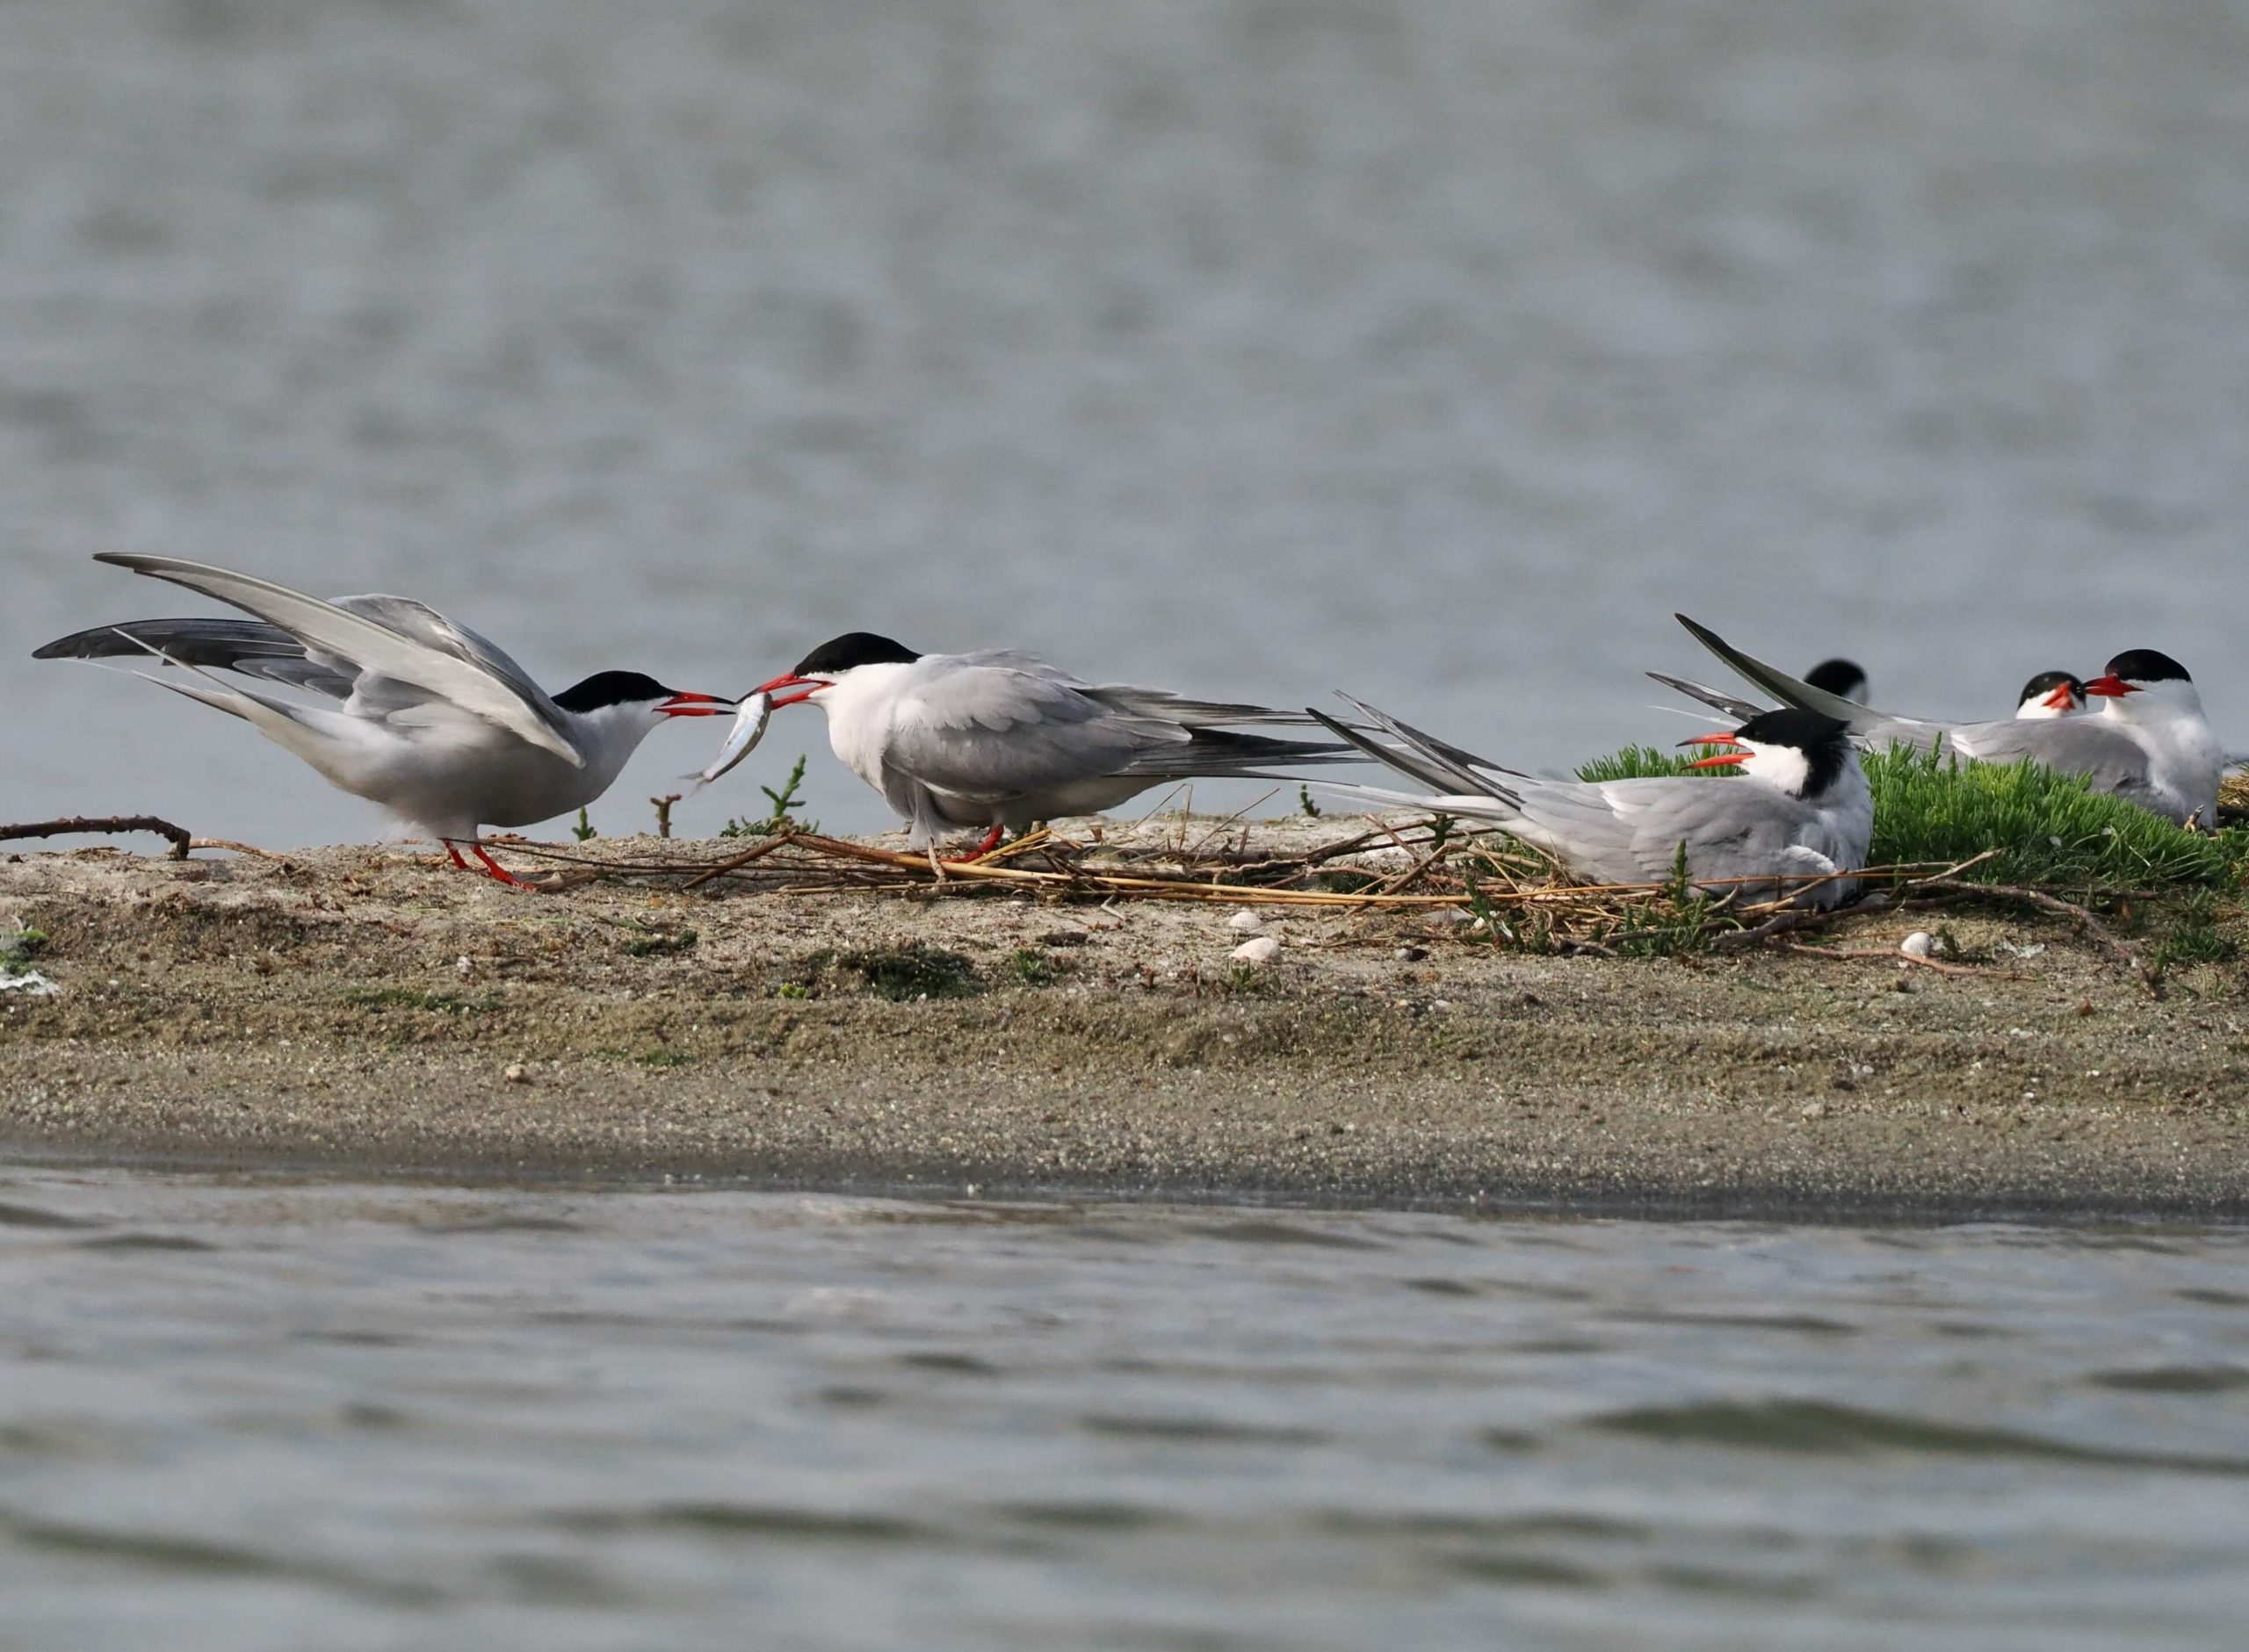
427 626
248 647
2071 744
1739 709
977 726
374 648
1630 831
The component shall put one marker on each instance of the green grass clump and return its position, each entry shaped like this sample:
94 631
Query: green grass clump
1642 762
20 945
2050 829
915 971
782 817
656 944
1033 968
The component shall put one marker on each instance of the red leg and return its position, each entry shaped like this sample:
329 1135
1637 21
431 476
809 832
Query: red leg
455 852
494 867
991 842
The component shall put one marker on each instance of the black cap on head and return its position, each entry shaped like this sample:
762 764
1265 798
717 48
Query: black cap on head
2145 665
1825 741
2046 681
613 688
855 648
1842 677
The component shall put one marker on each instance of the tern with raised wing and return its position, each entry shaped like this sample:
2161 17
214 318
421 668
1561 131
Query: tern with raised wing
408 709
1801 814
997 739
2149 742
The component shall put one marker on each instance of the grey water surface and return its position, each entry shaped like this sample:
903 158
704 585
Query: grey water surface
1430 349
271 1414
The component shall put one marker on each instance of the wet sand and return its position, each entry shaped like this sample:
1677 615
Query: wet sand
365 1010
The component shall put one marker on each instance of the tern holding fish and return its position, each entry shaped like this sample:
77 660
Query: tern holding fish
423 716
994 739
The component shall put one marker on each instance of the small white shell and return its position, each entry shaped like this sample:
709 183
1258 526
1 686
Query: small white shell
1247 921
1261 951
1919 944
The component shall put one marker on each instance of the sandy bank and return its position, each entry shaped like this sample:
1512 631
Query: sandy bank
363 1007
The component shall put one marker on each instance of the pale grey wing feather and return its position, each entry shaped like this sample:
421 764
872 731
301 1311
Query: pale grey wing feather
1436 768
425 625
1867 725
1040 730
1630 831
247 647
374 648
1739 709
2114 762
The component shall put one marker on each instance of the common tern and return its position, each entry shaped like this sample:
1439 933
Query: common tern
1846 678
426 717
1801 814
995 738
2149 742
2051 694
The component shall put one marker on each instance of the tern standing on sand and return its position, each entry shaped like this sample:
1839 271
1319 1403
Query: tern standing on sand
1801 814
995 739
426 717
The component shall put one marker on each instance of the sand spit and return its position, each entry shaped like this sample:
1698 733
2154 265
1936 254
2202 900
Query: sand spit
368 1010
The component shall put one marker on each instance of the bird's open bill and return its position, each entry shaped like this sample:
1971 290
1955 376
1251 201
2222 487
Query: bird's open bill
805 687
686 704
1717 760
2111 686
2061 699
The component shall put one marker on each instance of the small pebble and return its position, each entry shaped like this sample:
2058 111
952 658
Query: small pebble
1411 954
1261 951
1246 921
1814 1110
516 1073
1919 944
462 967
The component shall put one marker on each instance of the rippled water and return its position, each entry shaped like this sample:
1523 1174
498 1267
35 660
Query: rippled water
271 1414
1254 346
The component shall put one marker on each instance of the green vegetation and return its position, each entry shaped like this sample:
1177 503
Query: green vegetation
2050 829
1305 806
20 945
1033 968
914 971
584 829
2190 934
787 800
656 944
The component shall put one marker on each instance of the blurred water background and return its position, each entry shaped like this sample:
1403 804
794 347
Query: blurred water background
1434 349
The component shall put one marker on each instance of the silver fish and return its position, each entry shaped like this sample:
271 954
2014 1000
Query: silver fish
749 727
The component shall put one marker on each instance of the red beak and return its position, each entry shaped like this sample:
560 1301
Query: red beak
1717 760
805 687
685 704
2111 686
2061 699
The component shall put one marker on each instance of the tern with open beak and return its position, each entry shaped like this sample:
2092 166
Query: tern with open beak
423 716
2149 743
1801 815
